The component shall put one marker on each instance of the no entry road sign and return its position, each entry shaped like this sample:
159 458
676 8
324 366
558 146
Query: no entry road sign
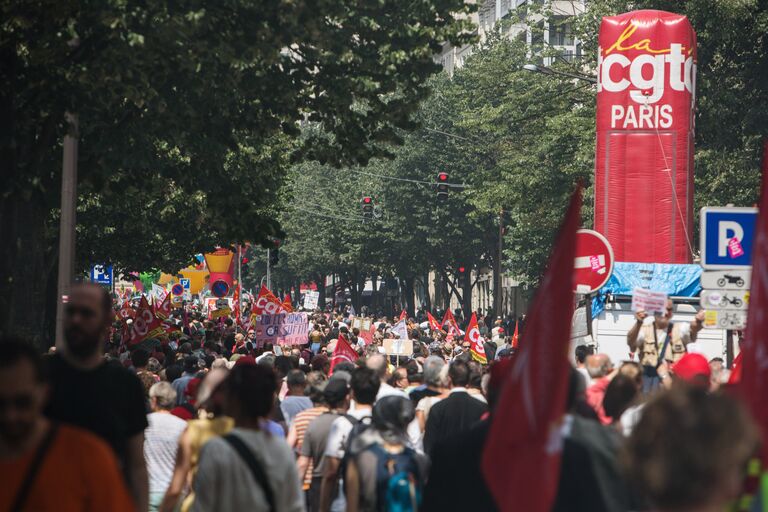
594 261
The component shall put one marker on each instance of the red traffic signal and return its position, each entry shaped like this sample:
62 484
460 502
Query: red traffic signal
442 186
461 270
367 203
245 260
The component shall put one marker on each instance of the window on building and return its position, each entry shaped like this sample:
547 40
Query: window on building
487 15
560 32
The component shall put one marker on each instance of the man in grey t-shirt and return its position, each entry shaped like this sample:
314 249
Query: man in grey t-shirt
336 397
295 401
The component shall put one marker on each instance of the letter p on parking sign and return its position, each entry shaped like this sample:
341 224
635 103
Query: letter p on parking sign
726 237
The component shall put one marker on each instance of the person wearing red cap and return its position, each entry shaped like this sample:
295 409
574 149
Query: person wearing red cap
691 368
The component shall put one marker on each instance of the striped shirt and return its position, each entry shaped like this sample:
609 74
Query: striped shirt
301 422
161 439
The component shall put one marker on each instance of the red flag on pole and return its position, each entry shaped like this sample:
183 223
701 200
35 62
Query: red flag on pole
403 315
753 359
126 311
521 457
433 325
453 326
267 303
145 325
163 310
343 352
515 339
287 304
236 303
475 344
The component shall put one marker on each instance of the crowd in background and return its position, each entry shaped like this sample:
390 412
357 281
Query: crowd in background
206 419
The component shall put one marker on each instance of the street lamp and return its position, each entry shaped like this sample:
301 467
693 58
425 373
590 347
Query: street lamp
544 70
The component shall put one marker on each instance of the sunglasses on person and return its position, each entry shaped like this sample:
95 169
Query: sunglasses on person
465 347
72 311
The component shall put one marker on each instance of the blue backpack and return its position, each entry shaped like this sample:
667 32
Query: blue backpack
398 482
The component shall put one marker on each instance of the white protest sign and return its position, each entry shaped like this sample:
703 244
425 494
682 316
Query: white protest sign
402 347
310 299
158 292
649 301
400 329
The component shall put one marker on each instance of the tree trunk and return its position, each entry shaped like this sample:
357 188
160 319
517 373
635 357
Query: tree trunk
427 298
356 290
24 281
321 291
409 295
466 294
497 290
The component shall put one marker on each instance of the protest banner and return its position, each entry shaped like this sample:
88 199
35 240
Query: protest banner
648 301
219 313
281 329
310 300
398 348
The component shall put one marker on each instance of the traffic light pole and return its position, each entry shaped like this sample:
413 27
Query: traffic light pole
269 277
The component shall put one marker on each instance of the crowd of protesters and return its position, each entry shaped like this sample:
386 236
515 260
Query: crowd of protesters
207 419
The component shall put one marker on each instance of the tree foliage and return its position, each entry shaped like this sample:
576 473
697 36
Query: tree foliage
520 141
203 100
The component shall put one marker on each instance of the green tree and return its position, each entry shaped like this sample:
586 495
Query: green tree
200 101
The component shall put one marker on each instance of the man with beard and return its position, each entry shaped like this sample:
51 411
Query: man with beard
102 397
46 466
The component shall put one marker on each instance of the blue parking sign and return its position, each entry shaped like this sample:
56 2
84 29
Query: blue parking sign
102 274
726 237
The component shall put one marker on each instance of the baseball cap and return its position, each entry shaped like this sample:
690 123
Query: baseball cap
691 366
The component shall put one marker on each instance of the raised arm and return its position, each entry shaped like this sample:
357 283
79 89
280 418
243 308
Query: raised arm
635 330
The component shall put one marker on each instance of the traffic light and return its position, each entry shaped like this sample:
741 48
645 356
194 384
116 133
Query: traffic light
442 186
367 203
462 270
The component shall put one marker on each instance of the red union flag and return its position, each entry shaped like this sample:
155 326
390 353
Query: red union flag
287 304
163 310
475 344
515 337
644 160
453 327
145 325
126 311
521 456
343 352
753 358
267 303
433 325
